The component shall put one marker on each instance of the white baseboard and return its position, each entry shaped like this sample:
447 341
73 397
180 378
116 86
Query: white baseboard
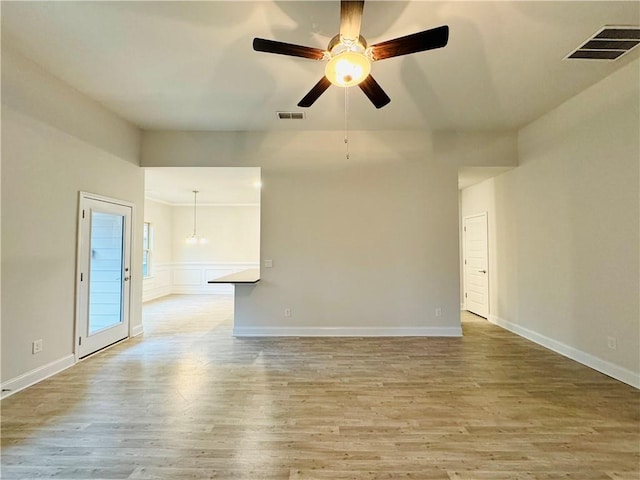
36 375
190 278
619 373
136 330
347 331
152 294
215 289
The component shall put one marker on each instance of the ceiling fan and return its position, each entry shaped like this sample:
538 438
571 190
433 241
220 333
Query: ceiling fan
349 56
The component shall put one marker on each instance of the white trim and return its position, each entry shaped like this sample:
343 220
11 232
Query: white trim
102 198
347 331
615 371
157 200
128 254
37 375
132 259
219 205
166 281
154 294
178 204
215 289
217 264
159 284
137 330
187 276
464 256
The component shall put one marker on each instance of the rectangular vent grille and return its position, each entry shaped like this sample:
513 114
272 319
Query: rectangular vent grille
290 115
608 43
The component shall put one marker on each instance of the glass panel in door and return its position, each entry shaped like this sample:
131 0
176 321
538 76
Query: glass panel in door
106 268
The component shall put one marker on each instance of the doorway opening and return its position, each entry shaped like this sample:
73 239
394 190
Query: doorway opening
478 215
226 216
475 251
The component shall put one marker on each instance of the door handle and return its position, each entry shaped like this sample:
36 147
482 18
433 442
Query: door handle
482 271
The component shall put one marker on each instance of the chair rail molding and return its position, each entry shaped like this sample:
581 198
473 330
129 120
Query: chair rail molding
186 278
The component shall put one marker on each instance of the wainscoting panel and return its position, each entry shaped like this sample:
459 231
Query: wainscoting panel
191 278
186 277
158 284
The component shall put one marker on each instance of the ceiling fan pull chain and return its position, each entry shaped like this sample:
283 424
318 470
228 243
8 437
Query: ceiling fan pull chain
346 117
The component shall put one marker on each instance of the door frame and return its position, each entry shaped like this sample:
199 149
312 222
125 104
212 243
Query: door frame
81 198
464 256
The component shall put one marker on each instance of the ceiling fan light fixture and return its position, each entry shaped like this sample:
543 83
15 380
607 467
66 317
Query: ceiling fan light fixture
347 68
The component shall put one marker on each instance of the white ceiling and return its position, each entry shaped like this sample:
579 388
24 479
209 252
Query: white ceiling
216 186
190 65
468 176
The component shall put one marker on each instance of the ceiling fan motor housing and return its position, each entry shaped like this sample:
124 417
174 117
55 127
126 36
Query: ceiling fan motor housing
339 43
349 62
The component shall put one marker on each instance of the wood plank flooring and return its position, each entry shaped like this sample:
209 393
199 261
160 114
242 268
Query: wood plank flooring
188 401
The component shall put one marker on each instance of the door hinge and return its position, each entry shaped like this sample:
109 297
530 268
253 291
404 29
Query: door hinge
81 276
465 294
465 262
79 340
82 213
465 228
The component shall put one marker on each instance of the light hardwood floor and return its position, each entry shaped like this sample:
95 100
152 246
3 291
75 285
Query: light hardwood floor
188 401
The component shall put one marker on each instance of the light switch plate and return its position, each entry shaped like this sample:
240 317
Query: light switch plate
268 263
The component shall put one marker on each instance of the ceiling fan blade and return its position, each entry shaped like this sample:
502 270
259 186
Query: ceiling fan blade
350 18
281 48
374 92
315 92
417 42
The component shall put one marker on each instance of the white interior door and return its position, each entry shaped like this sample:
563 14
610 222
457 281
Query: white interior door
476 271
103 273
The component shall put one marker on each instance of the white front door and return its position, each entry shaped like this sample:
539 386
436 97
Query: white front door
103 290
476 271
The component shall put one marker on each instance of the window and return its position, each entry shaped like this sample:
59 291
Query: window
146 250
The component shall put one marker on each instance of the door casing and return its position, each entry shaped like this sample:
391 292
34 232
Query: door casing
81 265
470 269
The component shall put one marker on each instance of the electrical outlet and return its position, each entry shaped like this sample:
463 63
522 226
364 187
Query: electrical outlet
612 343
36 346
287 312
438 312
268 263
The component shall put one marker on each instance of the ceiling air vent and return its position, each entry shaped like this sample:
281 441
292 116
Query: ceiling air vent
290 115
608 43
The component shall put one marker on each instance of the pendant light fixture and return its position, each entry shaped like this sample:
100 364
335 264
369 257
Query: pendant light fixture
194 238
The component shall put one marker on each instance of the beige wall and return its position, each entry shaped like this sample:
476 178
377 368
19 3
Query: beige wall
564 228
33 91
233 234
365 243
55 143
362 248
477 149
159 215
